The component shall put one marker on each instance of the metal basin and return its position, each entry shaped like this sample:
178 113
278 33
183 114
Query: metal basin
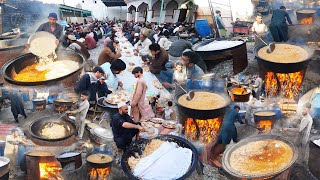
20 62
140 144
227 155
36 127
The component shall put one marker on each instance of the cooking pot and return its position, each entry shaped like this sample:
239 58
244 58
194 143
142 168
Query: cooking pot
99 164
37 125
283 67
271 116
67 158
22 61
227 155
243 97
4 167
140 144
201 114
10 49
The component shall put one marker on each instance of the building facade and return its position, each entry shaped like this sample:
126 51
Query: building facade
151 11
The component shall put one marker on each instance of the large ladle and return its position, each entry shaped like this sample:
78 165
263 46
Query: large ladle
190 94
270 47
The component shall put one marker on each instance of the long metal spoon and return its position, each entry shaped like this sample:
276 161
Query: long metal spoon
270 47
190 94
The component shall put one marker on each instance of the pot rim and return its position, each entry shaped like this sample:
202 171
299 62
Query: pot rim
35 83
226 155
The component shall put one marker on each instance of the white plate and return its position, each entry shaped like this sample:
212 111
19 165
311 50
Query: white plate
103 133
157 120
146 136
72 117
169 124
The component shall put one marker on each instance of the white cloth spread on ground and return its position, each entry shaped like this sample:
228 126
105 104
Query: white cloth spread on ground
168 162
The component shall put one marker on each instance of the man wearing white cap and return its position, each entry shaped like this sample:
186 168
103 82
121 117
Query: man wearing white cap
77 46
123 128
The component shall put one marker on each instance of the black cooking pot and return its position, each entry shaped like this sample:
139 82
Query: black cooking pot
36 126
100 165
139 145
240 97
20 62
283 67
258 117
209 53
63 103
314 159
201 114
74 157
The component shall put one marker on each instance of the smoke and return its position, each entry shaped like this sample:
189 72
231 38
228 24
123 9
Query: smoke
243 9
27 14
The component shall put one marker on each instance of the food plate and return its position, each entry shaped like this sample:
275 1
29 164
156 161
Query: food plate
157 120
150 133
116 98
146 68
169 124
157 84
72 117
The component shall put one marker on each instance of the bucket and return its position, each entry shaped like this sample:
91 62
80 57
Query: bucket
203 27
314 158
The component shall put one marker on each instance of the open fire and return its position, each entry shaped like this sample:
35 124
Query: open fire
99 173
59 109
264 125
287 85
50 171
307 20
204 130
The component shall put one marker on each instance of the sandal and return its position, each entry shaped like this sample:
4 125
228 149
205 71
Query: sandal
211 163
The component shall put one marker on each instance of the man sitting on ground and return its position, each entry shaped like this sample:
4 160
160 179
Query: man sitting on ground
109 53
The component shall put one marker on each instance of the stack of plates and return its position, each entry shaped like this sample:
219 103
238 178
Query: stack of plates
101 135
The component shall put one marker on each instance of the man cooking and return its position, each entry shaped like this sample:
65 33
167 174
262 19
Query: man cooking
227 132
81 113
11 148
123 128
260 29
278 26
304 132
111 70
109 53
88 82
190 60
52 26
142 46
137 103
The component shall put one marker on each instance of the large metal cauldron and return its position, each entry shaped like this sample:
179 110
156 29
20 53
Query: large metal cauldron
283 67
211 58
201 114
139 145
36 127
227 155
20 62
10 49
